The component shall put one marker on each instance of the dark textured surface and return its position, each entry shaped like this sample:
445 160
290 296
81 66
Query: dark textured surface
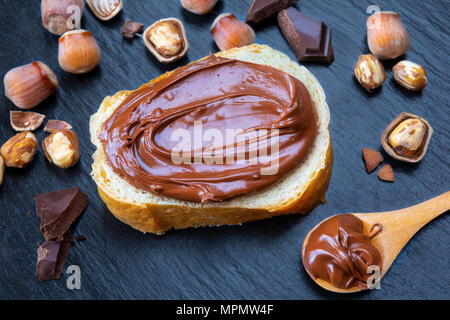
256 260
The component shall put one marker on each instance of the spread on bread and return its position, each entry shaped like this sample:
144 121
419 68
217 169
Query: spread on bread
339 252
221 94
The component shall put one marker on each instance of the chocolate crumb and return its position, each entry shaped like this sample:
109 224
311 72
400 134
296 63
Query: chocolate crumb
131 28
80 238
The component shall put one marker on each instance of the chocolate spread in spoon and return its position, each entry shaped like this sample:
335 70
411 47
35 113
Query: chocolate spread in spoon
339 252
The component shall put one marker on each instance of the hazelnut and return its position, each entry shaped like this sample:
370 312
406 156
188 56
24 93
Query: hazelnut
61 16
229 32
386 35
25 121
410 75
198 6
53 125
27 86
369 72
166 39
61 148
407 138
78 51
19 151
105 9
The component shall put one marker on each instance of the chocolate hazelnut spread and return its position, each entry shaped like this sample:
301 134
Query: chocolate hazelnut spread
205 100
339 252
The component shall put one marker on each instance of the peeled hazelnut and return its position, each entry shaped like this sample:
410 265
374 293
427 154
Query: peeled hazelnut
386 35
18 152
25 121
410 75
198 6
61 148
407 138
62 15
53 125
2 170
78 51
166 39
27 86
369 72
229 32
105 9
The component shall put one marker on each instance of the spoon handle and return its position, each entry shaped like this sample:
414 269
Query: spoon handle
399 226
424 212
411 218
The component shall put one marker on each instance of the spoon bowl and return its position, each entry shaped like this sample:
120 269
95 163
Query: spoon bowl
397 228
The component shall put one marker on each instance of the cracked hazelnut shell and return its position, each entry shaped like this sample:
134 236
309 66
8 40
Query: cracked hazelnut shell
166 39
105 9
53 125
25 121
61 148
404 135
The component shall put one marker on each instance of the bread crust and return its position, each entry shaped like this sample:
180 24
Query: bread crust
160 217
156 218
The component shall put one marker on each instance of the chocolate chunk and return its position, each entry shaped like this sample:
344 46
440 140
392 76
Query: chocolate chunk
52 256
310 39
263 9
80 238
130 28
58 210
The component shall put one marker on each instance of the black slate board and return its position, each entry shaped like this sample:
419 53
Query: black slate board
257 260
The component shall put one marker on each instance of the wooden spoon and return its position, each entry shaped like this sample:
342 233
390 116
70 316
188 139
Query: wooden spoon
398 227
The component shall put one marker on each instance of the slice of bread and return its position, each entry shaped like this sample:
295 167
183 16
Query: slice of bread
298 192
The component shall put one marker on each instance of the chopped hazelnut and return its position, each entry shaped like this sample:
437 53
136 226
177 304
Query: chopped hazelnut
386 173
61 148
372 159
2 170
19 151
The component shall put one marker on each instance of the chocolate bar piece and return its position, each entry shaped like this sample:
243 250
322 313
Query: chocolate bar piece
263 9
51 258
130 28
58 210
310 39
